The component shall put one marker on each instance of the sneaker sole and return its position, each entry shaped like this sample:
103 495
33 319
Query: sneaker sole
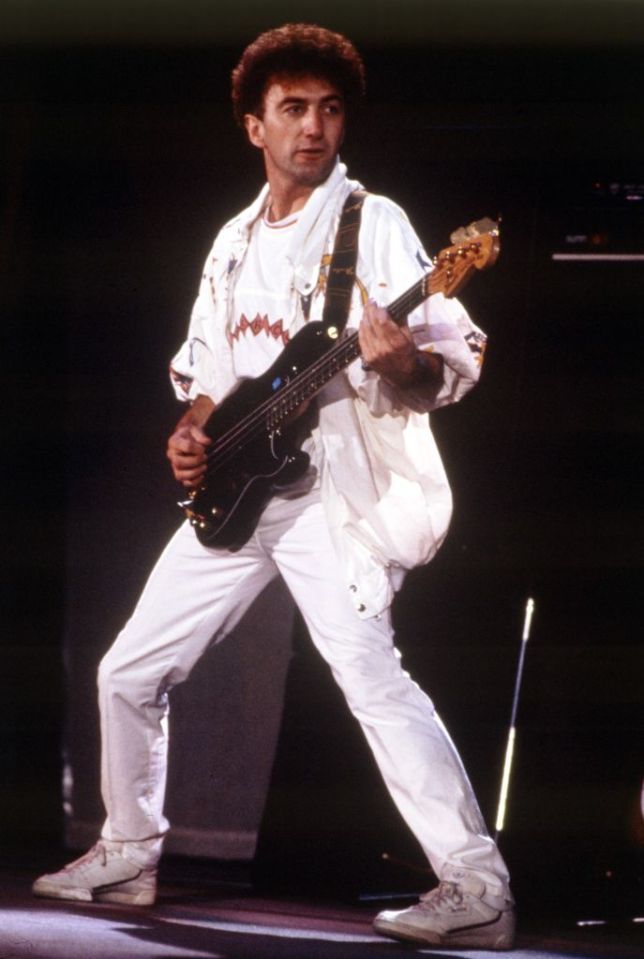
143 898
475 937
53 891
46 890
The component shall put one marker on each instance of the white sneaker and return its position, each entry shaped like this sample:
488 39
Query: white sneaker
461 914
103 874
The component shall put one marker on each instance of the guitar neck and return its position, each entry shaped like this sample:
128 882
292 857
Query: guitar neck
306 384
400 309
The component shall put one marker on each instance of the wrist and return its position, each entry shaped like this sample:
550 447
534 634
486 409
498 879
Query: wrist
200 409
423 369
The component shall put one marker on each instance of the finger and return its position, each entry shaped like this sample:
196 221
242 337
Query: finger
366 340
374 315
179 446
185 446
183 461
189 477
381 338
369 327
198 434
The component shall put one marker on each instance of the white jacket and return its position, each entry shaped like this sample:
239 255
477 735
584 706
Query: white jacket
384 488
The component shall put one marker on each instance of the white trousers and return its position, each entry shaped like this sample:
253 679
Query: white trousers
195 596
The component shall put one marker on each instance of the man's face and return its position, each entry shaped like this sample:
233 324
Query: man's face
300 131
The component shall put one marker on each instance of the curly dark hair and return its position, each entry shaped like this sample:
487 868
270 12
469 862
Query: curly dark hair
295 50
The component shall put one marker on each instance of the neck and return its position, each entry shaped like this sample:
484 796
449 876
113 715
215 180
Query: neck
283 203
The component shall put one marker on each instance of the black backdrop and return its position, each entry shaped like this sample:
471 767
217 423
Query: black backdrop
120 161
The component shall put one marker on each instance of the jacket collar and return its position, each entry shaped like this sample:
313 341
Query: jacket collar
312 231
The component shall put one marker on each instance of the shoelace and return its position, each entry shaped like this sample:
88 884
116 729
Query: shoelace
98 850
446 894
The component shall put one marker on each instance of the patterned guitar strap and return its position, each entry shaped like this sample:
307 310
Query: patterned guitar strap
342 268
339 286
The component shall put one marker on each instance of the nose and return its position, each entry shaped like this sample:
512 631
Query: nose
314 126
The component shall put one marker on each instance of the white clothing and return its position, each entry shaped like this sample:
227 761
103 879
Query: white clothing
385 491
382 506
195 593
264 320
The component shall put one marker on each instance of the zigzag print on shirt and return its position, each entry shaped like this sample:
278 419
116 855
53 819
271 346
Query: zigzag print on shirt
259 324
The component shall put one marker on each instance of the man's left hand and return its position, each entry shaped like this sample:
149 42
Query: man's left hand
389 349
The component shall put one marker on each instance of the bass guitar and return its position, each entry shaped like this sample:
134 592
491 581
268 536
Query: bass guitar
252 451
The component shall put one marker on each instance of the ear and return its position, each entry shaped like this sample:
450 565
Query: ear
254 130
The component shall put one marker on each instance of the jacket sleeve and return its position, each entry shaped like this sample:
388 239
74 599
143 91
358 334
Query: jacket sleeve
392 259
194 369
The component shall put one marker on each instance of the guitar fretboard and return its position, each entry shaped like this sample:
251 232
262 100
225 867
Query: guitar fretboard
306 384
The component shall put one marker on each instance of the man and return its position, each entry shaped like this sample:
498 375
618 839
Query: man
373 502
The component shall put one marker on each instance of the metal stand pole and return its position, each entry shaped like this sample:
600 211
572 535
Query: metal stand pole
509 749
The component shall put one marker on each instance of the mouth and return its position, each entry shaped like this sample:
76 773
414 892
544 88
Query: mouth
311 153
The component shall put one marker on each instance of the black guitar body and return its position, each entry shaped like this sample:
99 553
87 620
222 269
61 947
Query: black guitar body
249 433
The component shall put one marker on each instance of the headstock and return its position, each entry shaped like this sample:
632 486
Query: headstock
475 247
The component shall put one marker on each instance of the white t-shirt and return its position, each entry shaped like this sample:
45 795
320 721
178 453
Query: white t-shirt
263 301
263 316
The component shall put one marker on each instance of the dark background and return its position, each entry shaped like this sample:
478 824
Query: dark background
119 161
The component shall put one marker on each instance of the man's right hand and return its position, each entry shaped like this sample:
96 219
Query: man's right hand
187 447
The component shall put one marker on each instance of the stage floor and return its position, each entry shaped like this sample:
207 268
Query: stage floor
216 914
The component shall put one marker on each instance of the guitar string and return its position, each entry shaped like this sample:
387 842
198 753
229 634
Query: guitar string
287 400
295 392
